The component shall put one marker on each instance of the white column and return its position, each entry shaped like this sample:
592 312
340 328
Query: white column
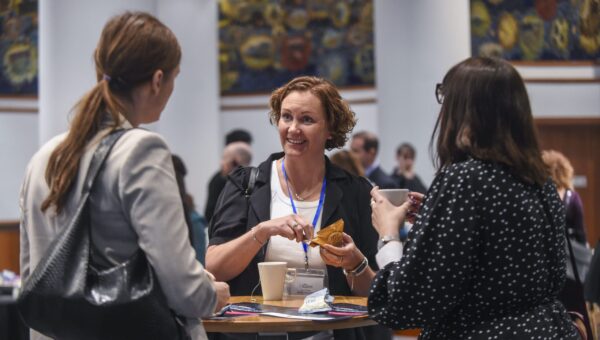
69 32
416 43
190 122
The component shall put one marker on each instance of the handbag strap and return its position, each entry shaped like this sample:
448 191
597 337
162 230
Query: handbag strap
98 159
572 258
250 181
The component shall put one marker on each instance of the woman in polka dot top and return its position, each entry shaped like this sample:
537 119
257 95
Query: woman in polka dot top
485 258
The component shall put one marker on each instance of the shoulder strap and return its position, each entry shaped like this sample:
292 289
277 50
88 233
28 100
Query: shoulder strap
98 159
250 180
572 257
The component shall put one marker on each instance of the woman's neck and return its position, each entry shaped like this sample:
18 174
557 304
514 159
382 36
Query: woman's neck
304 176
130 113
561 193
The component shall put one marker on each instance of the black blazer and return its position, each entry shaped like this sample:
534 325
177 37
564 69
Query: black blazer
379 177
346 197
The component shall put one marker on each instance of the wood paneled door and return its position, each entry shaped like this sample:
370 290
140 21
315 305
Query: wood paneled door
9 245
579 140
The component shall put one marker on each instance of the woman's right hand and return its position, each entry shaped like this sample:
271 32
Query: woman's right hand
292 227
223 295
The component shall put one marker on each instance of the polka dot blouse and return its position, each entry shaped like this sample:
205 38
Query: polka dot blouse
483 261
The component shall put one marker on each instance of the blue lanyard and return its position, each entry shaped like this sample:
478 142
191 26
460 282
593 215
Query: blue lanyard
319 207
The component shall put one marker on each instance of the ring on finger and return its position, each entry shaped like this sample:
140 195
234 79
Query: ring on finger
372 202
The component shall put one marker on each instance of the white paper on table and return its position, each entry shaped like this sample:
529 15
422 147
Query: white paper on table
301 317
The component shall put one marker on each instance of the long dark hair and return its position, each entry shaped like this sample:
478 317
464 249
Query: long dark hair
486 114
132 47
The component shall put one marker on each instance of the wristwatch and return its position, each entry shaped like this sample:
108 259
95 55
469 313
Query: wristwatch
387 238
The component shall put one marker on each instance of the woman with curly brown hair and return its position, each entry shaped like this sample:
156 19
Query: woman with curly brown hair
297 192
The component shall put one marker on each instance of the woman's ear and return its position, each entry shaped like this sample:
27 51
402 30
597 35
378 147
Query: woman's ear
157 79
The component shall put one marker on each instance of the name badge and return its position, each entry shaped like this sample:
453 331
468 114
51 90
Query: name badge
299 281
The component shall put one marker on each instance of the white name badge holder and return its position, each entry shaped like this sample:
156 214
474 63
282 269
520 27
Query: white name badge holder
300 281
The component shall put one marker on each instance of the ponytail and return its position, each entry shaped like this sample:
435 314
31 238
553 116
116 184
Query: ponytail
63 165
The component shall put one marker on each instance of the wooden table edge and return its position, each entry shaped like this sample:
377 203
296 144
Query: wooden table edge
271 324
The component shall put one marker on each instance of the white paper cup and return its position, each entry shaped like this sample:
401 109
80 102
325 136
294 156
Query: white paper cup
272 278
396 196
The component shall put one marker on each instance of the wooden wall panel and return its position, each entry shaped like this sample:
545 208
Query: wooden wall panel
578 140
9 246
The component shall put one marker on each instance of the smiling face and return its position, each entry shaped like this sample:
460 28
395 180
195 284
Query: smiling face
302 126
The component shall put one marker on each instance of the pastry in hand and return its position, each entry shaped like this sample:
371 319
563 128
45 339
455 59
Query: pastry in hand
332 235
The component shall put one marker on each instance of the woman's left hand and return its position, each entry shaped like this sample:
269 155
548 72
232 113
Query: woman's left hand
347 256
387 218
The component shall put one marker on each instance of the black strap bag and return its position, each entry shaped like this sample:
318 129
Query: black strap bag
576 297
592 281
67 298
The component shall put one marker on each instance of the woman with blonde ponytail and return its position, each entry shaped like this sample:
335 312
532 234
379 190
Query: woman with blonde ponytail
135 202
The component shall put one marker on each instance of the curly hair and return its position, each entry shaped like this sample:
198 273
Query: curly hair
560 168
338 115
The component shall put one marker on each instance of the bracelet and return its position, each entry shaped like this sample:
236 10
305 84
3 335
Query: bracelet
254 236
359 269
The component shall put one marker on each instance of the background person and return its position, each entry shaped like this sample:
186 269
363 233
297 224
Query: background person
137 61
196 223
561 171
348 161
218 180
365 146
485 258
404 174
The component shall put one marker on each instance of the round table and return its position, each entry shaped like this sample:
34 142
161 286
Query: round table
270 324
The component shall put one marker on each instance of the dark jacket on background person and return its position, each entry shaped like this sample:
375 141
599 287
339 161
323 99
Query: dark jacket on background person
215 186
574 216
413 184
381 179
346 197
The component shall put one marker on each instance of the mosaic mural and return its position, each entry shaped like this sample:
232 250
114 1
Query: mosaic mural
536 30
265 43
18 47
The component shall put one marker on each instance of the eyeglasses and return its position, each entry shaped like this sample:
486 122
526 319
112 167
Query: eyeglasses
439 93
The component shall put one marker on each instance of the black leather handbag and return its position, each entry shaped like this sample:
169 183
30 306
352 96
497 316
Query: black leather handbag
67 298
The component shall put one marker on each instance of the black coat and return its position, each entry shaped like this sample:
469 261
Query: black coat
346 197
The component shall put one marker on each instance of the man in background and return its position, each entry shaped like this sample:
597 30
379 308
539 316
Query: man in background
237 152
365 146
